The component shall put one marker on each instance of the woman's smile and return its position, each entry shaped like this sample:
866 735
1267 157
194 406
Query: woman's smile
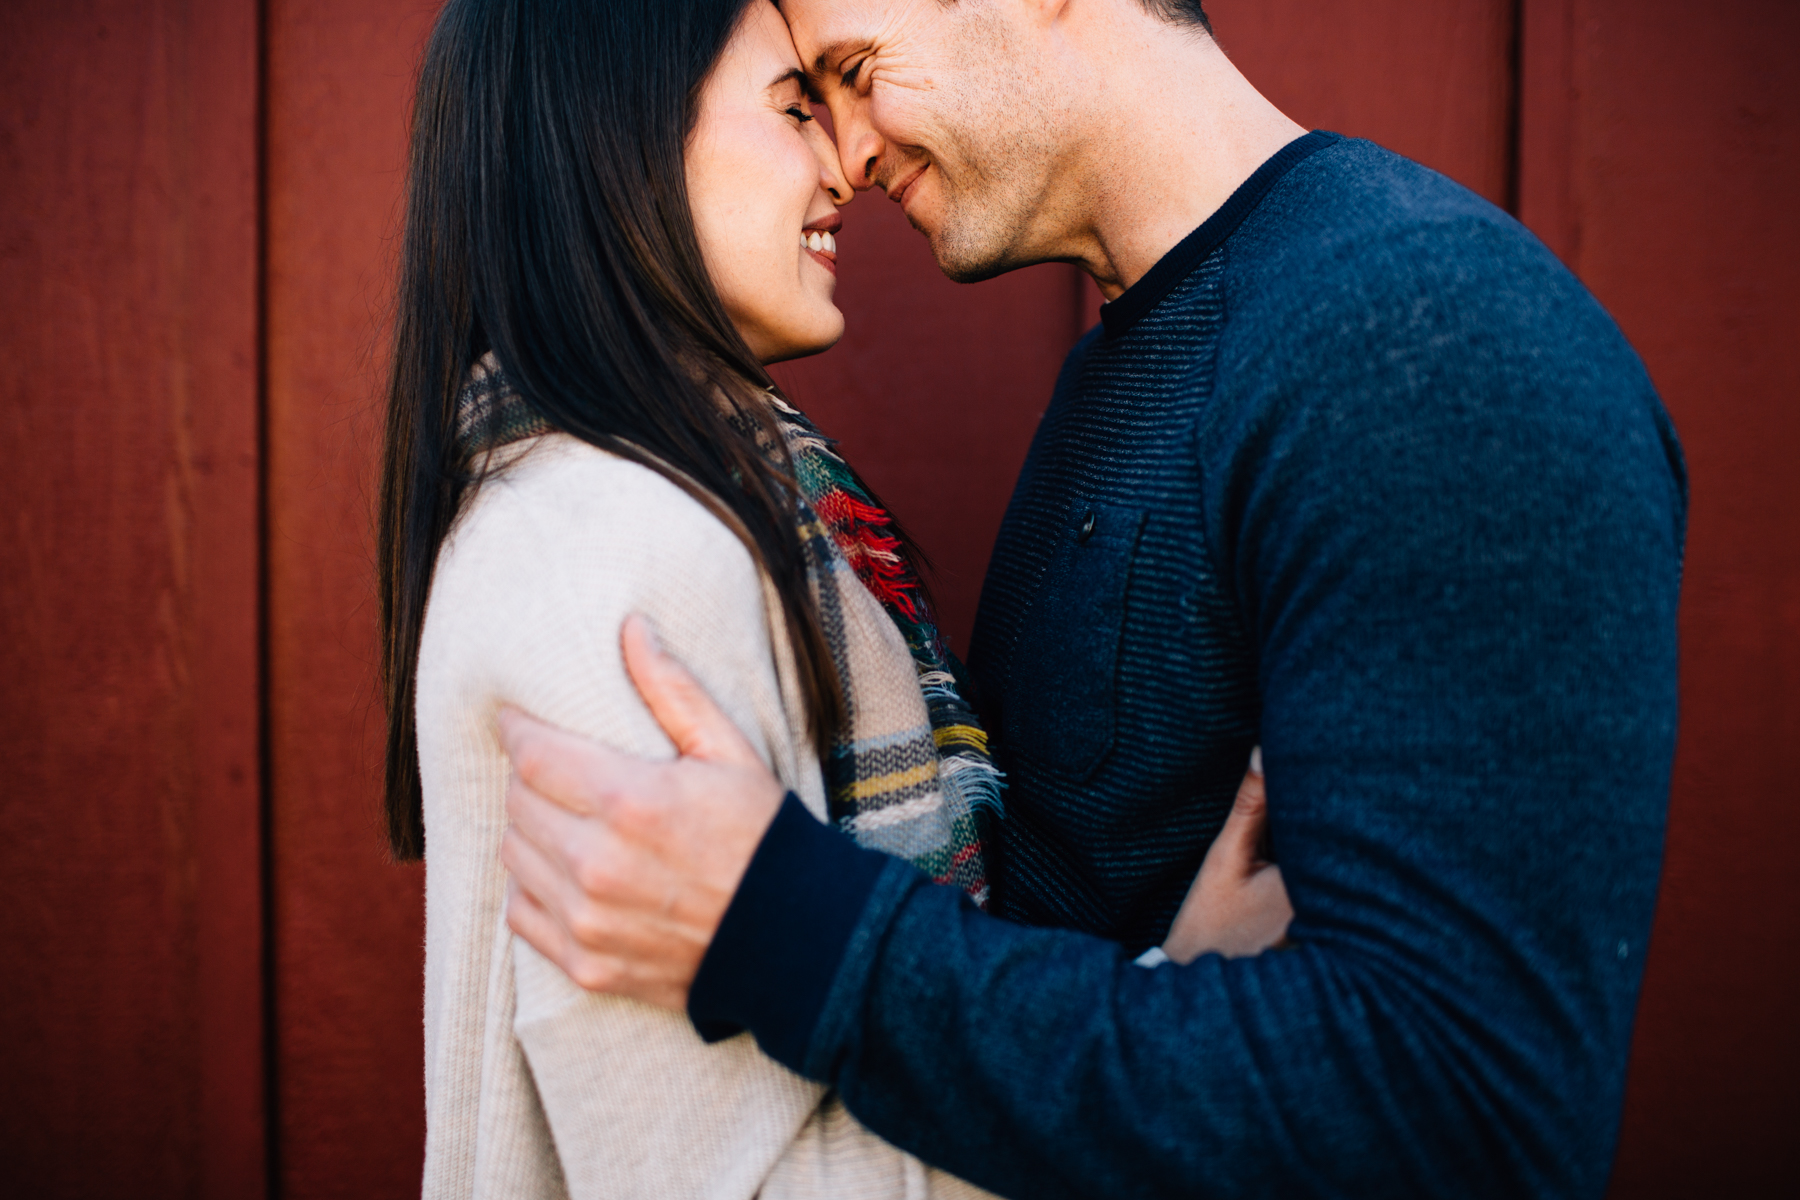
820 240
760 167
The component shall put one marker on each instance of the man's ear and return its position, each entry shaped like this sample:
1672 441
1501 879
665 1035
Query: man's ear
1043 12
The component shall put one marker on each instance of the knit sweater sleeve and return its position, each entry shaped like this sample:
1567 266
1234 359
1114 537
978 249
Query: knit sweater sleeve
523 1065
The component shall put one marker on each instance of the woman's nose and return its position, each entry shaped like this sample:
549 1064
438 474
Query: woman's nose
831 171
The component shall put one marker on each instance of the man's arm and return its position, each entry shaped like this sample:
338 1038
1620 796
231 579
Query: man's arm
1457 529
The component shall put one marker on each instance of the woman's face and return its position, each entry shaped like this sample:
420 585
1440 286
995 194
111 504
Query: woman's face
764 183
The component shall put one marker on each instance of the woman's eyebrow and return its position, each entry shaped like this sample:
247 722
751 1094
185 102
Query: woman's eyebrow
799 77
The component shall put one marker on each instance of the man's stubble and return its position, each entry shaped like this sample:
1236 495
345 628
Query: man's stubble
1003 132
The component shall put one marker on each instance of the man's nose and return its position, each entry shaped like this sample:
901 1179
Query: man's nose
859 150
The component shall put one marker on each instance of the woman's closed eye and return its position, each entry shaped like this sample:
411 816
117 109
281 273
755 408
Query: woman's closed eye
799 113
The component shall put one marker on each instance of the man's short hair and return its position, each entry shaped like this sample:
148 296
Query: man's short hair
1179 12
1175 12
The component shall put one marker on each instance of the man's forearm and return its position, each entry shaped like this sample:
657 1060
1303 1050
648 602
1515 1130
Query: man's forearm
1043 1063
778 952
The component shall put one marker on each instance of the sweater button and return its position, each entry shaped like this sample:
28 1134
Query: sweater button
1087 528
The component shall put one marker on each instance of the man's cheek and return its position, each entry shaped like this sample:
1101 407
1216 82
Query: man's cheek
899 116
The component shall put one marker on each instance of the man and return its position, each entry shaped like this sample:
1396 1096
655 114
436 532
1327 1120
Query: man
1353 468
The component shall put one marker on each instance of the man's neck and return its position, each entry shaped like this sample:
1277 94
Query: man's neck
1169 133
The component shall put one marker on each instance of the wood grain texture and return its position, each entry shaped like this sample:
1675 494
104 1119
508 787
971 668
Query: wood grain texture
1660 157
347 923
1430 79
130 915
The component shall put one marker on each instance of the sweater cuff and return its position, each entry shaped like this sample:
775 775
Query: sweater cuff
777 951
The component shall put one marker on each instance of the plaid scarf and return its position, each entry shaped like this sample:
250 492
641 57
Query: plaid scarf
909 773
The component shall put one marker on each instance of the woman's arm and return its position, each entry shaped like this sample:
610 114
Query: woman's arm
529 596
534 589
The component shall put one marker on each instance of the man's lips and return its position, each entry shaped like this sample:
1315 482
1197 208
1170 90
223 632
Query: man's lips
900 190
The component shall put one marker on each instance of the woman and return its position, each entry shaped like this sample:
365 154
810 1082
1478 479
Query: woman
619 213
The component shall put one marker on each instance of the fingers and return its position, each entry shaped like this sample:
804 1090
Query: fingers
579 870
561 766
529 919
552 829
597 972
1238 849
678 702
1237 904
623 868
539 865
1275 909
623 919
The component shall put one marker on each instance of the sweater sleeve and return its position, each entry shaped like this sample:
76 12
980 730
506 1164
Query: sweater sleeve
533 588
1454 509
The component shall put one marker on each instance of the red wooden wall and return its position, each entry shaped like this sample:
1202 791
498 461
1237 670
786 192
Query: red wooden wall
215 972
130 848
347 925
1660 156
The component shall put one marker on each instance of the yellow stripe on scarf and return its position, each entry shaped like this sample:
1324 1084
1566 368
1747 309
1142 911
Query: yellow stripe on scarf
862 789
960 735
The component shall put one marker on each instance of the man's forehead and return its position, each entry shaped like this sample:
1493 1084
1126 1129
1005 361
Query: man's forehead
827 30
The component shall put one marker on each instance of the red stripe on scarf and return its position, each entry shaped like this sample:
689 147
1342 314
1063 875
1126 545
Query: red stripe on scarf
860 530
962 856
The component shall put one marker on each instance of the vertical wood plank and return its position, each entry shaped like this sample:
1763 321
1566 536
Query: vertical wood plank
1671 187
129 885
1548 114
1430 79
348 924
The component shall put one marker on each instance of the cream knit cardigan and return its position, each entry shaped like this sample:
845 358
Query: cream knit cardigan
535 1088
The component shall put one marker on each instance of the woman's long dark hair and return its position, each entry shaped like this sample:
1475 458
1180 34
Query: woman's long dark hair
547 220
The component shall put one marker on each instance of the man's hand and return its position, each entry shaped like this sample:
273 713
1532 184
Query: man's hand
622 868
1238 905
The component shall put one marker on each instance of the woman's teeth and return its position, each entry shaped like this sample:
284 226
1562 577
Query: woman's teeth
819 241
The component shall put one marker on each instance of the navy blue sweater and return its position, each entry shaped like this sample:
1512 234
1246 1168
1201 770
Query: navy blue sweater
1360 472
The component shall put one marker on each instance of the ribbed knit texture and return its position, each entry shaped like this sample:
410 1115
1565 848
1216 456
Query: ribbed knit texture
535 1088
1108 842
1109 657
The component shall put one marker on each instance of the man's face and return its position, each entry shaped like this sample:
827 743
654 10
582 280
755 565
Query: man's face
951 109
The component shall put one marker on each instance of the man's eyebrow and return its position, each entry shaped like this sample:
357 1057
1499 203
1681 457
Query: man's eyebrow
836 52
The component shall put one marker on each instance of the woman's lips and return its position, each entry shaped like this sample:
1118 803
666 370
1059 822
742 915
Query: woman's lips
820 241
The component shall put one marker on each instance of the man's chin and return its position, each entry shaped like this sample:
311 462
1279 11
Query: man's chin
963 263
961 257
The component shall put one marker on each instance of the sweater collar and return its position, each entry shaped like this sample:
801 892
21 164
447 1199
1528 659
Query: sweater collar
1120 315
